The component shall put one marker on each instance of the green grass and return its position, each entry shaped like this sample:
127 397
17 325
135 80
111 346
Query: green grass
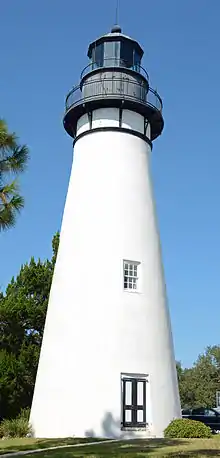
155 448
25 443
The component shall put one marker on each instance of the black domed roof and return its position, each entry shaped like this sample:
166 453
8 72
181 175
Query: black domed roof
116 29
115 34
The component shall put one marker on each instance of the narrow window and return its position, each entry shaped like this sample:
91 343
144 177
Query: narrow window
131 275
133 402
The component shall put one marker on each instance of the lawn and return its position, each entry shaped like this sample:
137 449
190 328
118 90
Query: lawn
19 445
155 448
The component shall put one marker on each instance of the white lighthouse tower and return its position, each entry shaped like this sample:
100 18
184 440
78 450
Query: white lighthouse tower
107 365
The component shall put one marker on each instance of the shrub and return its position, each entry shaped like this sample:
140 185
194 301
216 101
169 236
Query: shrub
182 428
16 427
25 413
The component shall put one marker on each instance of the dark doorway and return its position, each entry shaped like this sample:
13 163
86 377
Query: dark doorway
134 402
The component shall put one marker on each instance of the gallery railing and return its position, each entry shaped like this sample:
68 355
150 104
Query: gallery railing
114 87
112 62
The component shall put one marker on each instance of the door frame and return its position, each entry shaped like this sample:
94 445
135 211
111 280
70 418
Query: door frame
134 379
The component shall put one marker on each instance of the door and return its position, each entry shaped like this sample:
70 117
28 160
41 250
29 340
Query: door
134 402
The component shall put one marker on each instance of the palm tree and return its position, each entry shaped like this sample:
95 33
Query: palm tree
13 159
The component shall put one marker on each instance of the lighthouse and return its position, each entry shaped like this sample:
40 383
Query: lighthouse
107 365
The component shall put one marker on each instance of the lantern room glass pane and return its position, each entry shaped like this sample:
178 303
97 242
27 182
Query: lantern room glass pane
137 61
98 55
111 53
129 56
126 54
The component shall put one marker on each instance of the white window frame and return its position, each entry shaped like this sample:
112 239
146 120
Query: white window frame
131 276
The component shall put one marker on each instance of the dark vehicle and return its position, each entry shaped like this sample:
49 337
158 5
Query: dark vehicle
208 416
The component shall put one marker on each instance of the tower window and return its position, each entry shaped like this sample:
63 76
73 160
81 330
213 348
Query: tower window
131 275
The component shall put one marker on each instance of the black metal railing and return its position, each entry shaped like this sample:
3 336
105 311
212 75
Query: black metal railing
119 88
112 62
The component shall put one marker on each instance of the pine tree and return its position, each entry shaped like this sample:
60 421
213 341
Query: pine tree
22 317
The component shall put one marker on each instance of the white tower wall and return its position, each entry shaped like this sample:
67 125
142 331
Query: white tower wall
95 330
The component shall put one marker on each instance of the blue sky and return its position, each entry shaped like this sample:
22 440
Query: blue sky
43 50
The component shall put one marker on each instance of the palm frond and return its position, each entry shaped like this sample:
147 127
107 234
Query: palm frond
18 160
13 159
7 218
7 140
17 203
9 209
9 190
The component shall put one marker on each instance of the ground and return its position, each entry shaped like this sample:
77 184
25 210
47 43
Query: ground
155 448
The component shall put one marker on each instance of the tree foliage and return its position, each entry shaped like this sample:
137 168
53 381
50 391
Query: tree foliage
198 385
13 160
22 316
